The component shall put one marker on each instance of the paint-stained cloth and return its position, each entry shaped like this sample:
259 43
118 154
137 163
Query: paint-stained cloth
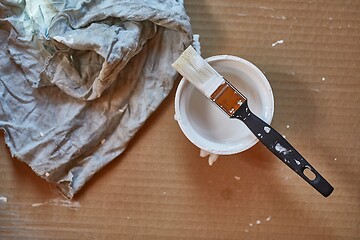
79 78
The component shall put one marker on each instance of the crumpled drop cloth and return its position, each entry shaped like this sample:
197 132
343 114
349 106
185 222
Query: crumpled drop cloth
79 78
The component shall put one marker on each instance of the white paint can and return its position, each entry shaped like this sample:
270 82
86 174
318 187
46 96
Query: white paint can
206 126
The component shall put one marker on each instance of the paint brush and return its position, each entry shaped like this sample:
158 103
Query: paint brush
232 102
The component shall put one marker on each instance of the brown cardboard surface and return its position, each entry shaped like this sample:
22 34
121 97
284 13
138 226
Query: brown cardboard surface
161 189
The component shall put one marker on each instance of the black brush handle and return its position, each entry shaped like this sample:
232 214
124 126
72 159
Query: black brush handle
282 148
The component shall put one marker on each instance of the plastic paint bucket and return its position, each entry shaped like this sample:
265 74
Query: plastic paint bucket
206 126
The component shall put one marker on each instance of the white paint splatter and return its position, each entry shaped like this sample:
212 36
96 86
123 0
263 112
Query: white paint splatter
323 78
124 108
268 218
258 222
37 204
102 141
246 230
287 126
164 193
47 174
3 199
127 217
278 17
297 162
259 134
277 42
267 8
237 177
250 224
59 202
267 129
335 159
330 18
41 134
281 149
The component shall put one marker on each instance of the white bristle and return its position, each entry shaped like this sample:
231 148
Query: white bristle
195 69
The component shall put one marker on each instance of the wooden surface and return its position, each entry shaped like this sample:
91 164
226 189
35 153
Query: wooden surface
161 189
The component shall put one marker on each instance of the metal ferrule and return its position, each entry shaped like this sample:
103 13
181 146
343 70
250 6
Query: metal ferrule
227 98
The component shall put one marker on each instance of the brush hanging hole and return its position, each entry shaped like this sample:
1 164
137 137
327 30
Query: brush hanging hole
309 173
